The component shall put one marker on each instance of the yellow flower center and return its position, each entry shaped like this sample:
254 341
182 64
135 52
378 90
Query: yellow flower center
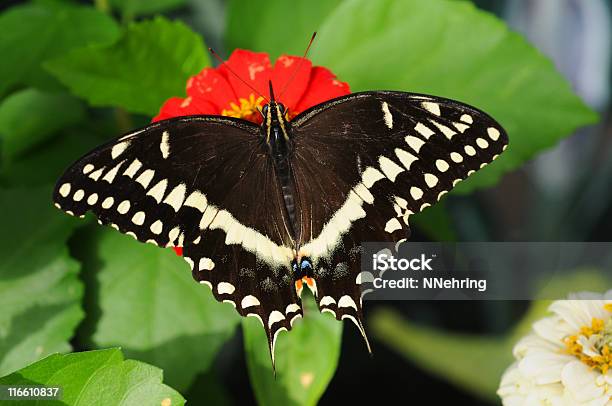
246 109
593 345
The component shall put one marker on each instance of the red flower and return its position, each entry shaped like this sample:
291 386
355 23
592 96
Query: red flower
216 91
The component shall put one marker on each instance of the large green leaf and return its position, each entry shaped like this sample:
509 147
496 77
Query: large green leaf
151 307
30 116
306 358
452 49
40 292
31 34
54 156
97 378
276 26
150 63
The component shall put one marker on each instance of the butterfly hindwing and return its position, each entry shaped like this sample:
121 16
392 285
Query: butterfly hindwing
254 287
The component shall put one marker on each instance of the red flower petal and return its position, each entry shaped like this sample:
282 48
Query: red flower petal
178 251
175 107
322 87
169 109
209 85
286 72
252 67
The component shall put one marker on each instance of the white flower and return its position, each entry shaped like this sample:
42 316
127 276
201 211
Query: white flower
567 359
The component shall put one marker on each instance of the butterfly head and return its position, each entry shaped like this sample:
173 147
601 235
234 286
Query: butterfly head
276 111
275 126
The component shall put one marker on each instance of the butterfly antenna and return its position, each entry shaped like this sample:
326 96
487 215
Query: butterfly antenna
299 65
222 62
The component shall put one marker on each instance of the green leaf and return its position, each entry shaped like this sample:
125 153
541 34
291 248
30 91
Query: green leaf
306 358
40 292
31 116
275 26
131 8
55 156
151 307
435 222
210 388
57 30
149 64
95 378
452 49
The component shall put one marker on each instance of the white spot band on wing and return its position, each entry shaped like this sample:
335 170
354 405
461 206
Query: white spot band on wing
164 145
387 116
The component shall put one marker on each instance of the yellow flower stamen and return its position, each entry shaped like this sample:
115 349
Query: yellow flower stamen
597 326
608 307
599 336
248 107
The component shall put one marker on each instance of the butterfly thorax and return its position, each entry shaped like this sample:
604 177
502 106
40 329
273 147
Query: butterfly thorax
276 131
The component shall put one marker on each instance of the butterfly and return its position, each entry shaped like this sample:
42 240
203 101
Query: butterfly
263 212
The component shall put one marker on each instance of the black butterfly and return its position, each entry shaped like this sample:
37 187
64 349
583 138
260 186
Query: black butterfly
262 210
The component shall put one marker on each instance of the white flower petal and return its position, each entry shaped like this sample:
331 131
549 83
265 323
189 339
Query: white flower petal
575 312
517 390
513 400
596 308
584 295
579 380
510 381
551 394
553 329
534 343
594 303
544 374
569 400
544 366
588 345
